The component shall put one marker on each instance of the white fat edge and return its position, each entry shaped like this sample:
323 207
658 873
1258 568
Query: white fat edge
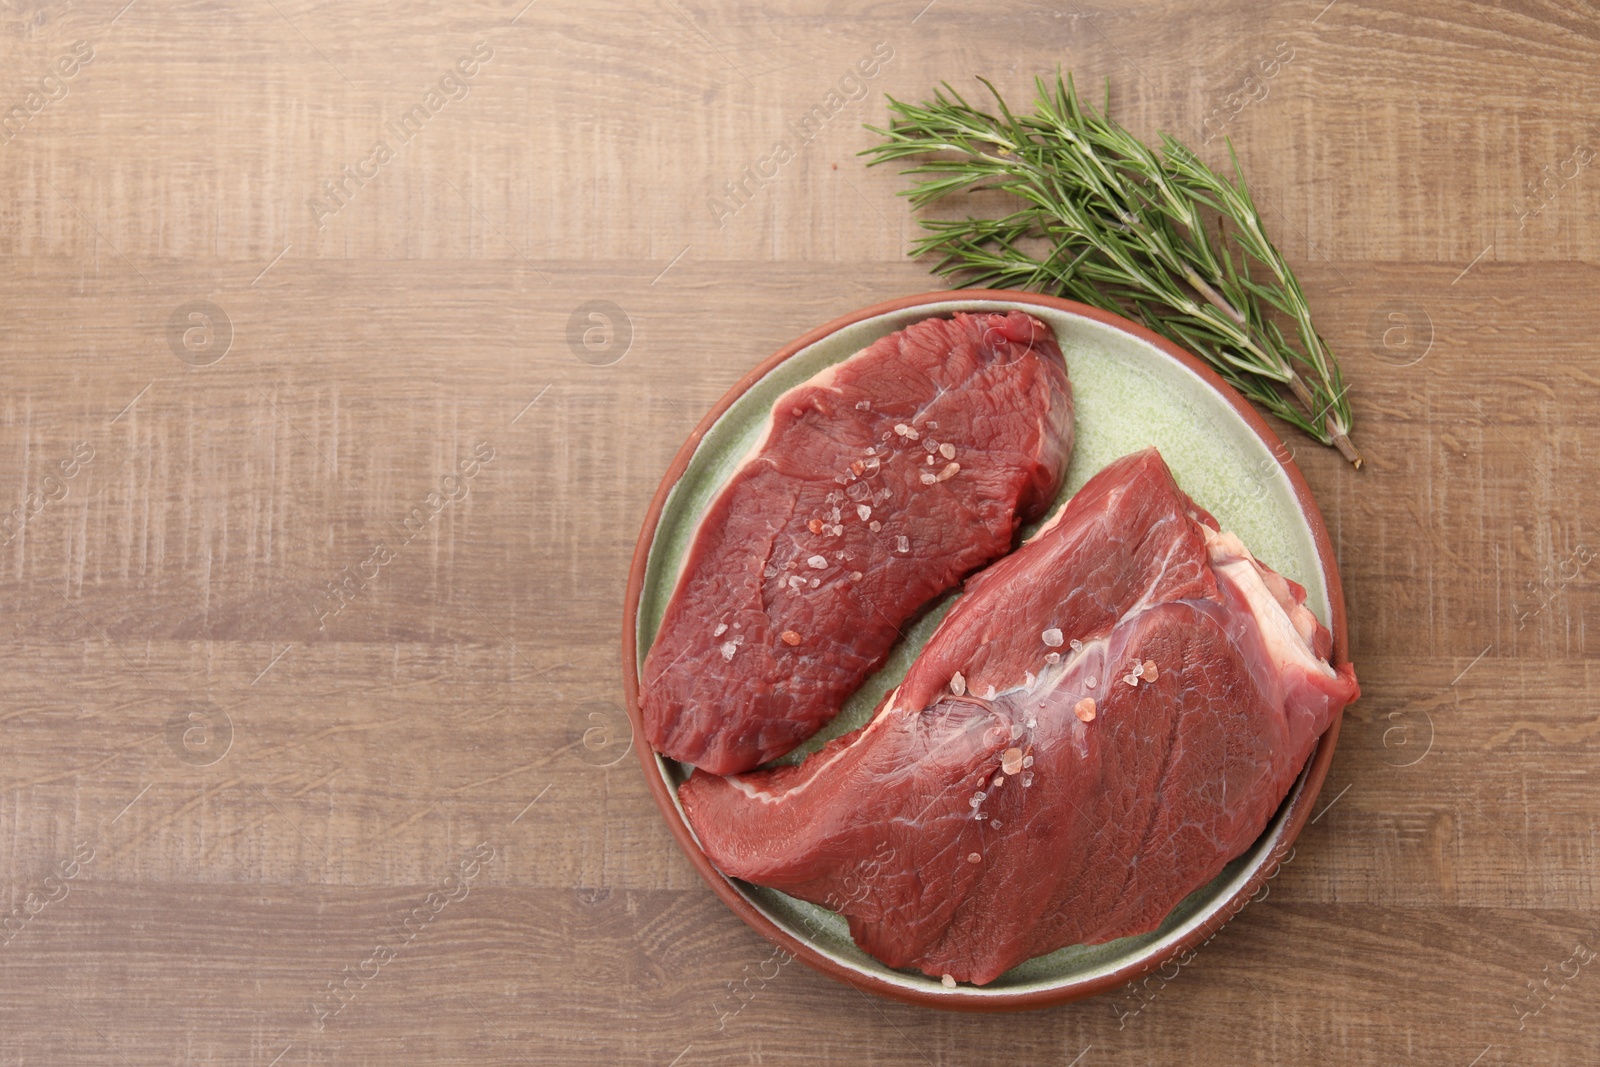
1049 524
739 783
1233 561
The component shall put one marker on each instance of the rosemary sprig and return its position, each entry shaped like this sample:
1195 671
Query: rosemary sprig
1109 221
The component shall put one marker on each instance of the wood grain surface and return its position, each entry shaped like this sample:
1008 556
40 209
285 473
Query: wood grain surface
246 818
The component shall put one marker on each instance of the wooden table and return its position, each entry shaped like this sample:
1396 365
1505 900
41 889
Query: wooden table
311 747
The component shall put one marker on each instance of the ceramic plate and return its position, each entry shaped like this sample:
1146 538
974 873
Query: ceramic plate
1132 389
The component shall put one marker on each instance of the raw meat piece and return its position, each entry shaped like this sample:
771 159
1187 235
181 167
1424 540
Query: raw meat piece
880 483
1106 718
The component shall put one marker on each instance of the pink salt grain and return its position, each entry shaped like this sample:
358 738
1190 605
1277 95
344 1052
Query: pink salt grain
1084 709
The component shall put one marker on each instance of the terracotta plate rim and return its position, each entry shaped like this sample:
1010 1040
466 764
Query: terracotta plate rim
1303 793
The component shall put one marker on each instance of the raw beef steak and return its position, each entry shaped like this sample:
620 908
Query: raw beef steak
1106 718
879 484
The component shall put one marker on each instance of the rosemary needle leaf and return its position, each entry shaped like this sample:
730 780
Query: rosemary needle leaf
1152 233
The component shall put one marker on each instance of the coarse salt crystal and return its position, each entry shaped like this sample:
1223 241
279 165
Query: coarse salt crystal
813 583
728 649
929 461
1084 709
1032 723
874 525
795 581
1149 670
863 405
790 637
1075 645
1016 731
1052 657
947 450
912 435
817 563
930 445
999 780
902 543
863 512
901 428
928 478
950 471
972 857
838 531
855 576
994 824
958 684
815 526
1052 637
1091 681
1027 778
1027 761
721 629
948 982
1011 760
857 467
